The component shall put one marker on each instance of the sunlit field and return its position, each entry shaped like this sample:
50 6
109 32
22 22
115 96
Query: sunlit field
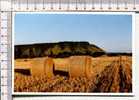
108 74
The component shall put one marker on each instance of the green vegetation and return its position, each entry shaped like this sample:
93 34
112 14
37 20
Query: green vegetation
60 49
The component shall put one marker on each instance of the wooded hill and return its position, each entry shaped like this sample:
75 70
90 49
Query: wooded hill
59 49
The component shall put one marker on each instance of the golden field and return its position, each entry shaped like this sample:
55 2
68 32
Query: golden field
108 74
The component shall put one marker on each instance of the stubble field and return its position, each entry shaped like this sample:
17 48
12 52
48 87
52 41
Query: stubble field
109 74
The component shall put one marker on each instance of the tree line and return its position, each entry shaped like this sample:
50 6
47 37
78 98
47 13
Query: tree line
60 49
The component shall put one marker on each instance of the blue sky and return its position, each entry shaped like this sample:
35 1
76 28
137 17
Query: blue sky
113 33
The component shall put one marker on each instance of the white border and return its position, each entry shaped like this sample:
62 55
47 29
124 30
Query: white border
77 93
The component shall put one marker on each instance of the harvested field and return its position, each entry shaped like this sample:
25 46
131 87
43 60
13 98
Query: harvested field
108 74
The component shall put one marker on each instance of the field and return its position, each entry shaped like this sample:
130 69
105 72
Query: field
109 74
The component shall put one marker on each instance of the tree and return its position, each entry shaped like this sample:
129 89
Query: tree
80 50
48 52
67 50
56 50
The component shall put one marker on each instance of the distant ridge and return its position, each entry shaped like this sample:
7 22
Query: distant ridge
57 49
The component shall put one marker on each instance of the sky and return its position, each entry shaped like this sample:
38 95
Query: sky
113 33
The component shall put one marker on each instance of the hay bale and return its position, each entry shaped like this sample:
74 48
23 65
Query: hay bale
49 67
61 64
42 66
79 66
75 65
37 66
88 67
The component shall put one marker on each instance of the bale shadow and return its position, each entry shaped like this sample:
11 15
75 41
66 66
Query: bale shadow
23 71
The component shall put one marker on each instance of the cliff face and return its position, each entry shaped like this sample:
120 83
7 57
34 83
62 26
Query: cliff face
60 49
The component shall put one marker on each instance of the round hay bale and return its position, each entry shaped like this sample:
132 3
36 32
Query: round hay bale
42 66
79 66
88 67
49 67
61 64
37 66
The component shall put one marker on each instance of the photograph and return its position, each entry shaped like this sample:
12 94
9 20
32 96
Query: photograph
72 53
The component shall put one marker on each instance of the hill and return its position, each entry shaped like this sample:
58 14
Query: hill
59 49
